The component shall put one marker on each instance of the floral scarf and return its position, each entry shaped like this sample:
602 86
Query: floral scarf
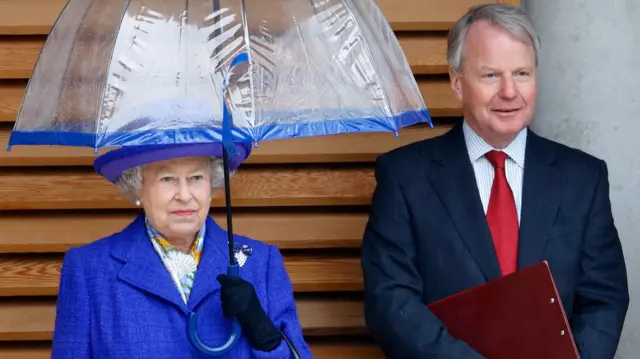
182 267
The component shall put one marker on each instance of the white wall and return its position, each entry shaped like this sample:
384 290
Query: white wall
589 98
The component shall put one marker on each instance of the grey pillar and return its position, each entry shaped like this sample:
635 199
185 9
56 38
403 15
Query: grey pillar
589 98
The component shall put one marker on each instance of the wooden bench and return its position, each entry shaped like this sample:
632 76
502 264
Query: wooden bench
307 196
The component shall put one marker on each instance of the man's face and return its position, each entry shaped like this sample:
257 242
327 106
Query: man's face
497 84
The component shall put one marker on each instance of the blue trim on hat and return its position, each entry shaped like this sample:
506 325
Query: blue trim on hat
194 135
111 164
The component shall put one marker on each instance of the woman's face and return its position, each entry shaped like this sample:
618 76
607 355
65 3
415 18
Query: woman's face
176 196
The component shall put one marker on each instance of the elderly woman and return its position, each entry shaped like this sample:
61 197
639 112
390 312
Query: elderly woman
129 295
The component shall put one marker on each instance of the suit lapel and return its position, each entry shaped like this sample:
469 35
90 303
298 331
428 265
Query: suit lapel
453 179
143 267
541 195
214 261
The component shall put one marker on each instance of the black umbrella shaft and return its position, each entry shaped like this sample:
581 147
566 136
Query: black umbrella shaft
227 184
227 197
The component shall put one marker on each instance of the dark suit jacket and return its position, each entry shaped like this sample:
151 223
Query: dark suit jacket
427 238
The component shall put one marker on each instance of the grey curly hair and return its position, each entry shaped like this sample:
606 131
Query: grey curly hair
130 181
512 19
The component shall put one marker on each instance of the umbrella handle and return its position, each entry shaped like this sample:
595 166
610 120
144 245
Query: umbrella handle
192 332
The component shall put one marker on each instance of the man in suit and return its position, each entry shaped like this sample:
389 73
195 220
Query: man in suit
486 199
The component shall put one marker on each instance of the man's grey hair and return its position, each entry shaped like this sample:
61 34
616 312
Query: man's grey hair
511 18
130 181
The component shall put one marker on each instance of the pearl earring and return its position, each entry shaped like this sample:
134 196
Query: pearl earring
137 202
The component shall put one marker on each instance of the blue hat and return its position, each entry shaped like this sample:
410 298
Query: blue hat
113 163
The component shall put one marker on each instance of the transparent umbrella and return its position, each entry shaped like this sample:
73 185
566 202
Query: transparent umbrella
162 72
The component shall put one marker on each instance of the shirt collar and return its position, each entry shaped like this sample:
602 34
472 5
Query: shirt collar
477 147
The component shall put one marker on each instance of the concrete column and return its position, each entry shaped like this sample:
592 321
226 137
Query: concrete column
589 98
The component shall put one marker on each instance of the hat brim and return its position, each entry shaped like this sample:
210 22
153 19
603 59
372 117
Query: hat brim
111 164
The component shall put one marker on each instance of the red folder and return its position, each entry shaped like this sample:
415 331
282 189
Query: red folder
516 316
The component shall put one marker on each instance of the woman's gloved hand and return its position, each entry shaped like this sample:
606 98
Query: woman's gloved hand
239 299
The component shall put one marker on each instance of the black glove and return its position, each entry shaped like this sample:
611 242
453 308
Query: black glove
239 299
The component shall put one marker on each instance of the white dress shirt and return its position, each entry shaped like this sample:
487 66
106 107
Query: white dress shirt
484 171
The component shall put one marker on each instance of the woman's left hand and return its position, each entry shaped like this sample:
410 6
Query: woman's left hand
239 299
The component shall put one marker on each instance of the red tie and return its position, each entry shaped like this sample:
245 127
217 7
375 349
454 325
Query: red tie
502 216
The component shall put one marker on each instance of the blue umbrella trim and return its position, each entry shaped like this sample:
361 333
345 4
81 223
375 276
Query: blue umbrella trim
195 135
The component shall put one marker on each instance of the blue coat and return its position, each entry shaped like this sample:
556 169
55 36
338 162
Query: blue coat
117 300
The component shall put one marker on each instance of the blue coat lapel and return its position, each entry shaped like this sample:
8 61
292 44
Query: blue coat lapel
143 268
213 262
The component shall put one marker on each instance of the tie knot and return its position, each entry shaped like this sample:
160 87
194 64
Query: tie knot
496 158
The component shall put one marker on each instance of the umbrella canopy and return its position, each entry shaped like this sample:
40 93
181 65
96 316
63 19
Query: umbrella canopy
146 72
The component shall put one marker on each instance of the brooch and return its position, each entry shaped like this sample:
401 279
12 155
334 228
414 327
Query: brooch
241 253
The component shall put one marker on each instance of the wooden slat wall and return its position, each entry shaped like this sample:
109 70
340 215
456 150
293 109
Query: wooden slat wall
308 196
